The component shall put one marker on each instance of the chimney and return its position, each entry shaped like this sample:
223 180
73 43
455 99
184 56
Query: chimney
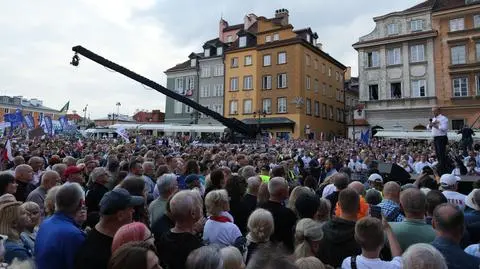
348 73
221 26
319 46
249 20
282 14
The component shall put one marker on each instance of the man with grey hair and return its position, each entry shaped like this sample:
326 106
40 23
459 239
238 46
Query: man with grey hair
413 229
167 186
37 165
60 169
69 161
59 238
49 180
23 177
423 256
248 203
175 245
284 218
99 178
247 171
448 221
149 178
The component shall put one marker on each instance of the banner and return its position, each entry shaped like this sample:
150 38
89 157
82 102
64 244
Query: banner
29 121
123 133
48 124
365 136
15 119
63 122
8 151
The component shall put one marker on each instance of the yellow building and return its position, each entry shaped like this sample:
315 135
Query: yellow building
28 106
279 79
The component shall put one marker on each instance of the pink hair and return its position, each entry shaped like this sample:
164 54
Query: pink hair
131 232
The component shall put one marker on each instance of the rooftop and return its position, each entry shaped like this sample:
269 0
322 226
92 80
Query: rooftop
24 103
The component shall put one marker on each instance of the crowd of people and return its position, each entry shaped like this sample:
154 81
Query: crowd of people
304 204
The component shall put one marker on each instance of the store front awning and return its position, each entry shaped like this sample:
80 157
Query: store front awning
274 122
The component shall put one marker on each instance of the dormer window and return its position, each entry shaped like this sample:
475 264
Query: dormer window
309 38
276 37
242 42
268 38
219 51
193 62
392 29
207 52
229 38
416 25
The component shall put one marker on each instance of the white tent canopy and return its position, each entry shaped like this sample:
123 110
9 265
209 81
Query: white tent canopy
171 128
421 135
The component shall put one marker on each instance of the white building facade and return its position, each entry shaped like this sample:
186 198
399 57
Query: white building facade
396 70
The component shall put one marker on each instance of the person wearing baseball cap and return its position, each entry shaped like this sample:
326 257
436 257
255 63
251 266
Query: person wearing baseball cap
449 184
74 174
376 181
116 210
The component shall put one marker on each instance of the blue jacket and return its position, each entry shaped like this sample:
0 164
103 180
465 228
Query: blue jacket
454 255
17 250
57 243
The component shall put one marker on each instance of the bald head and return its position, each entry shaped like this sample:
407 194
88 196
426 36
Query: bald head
186 207
413 202
278 188
448 221
24 173
50 179
358 187
391 191
36 163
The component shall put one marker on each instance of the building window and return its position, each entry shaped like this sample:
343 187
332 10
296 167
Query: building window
233 107
307 59
247 82
329 71
218 90
188 109
282 80
324 111
330 112
373 59
308 106
234 84
396 90
477 48
316 86
219 51
268 38
457 24
417 53
234 62
458 54
282 105
307 82
218 108
247 106
316 109
315 64
330 91
394 56
205 91
477 84
460 87
419 88
309 38
177 107
248 60
282 58
392 29
323 68
276 37
207 52
6 110
242 42
229 38
458 124
324 89
267 105
267 60
416 25
476 21
267 82
337 76
373 92
218 70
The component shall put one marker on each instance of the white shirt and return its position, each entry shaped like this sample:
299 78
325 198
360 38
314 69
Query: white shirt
419 166
366 263
442 128
329 189
455 198
222 233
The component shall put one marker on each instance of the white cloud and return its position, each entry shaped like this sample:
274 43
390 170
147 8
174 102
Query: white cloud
146 36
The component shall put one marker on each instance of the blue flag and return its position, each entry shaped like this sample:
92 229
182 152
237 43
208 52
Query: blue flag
365 136
63 122
15 119
48 124
29 121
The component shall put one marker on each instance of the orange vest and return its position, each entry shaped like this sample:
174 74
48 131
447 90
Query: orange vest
363 209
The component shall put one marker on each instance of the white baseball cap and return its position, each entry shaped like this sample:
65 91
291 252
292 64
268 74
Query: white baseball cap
449 180
375 178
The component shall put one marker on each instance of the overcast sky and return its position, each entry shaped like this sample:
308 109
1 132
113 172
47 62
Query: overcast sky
147 36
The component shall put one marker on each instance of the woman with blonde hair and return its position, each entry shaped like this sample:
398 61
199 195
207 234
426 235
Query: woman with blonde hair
263 195
30 232
310 263
13 220
308 234
260 226
219 228
49 203
232 258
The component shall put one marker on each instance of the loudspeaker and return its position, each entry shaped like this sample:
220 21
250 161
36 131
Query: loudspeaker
393 172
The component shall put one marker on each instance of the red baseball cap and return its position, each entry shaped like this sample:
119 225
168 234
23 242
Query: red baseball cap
72 170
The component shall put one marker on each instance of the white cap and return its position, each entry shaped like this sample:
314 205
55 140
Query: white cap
449 180
375 177
469 200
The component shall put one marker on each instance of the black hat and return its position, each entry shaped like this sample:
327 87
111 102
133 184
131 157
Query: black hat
118 199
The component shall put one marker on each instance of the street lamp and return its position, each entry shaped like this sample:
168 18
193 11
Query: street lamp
113 114
258 116
85 116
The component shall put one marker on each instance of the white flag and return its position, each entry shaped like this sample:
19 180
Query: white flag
8 147
123 133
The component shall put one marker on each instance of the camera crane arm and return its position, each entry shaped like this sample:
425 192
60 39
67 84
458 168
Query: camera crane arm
231 123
